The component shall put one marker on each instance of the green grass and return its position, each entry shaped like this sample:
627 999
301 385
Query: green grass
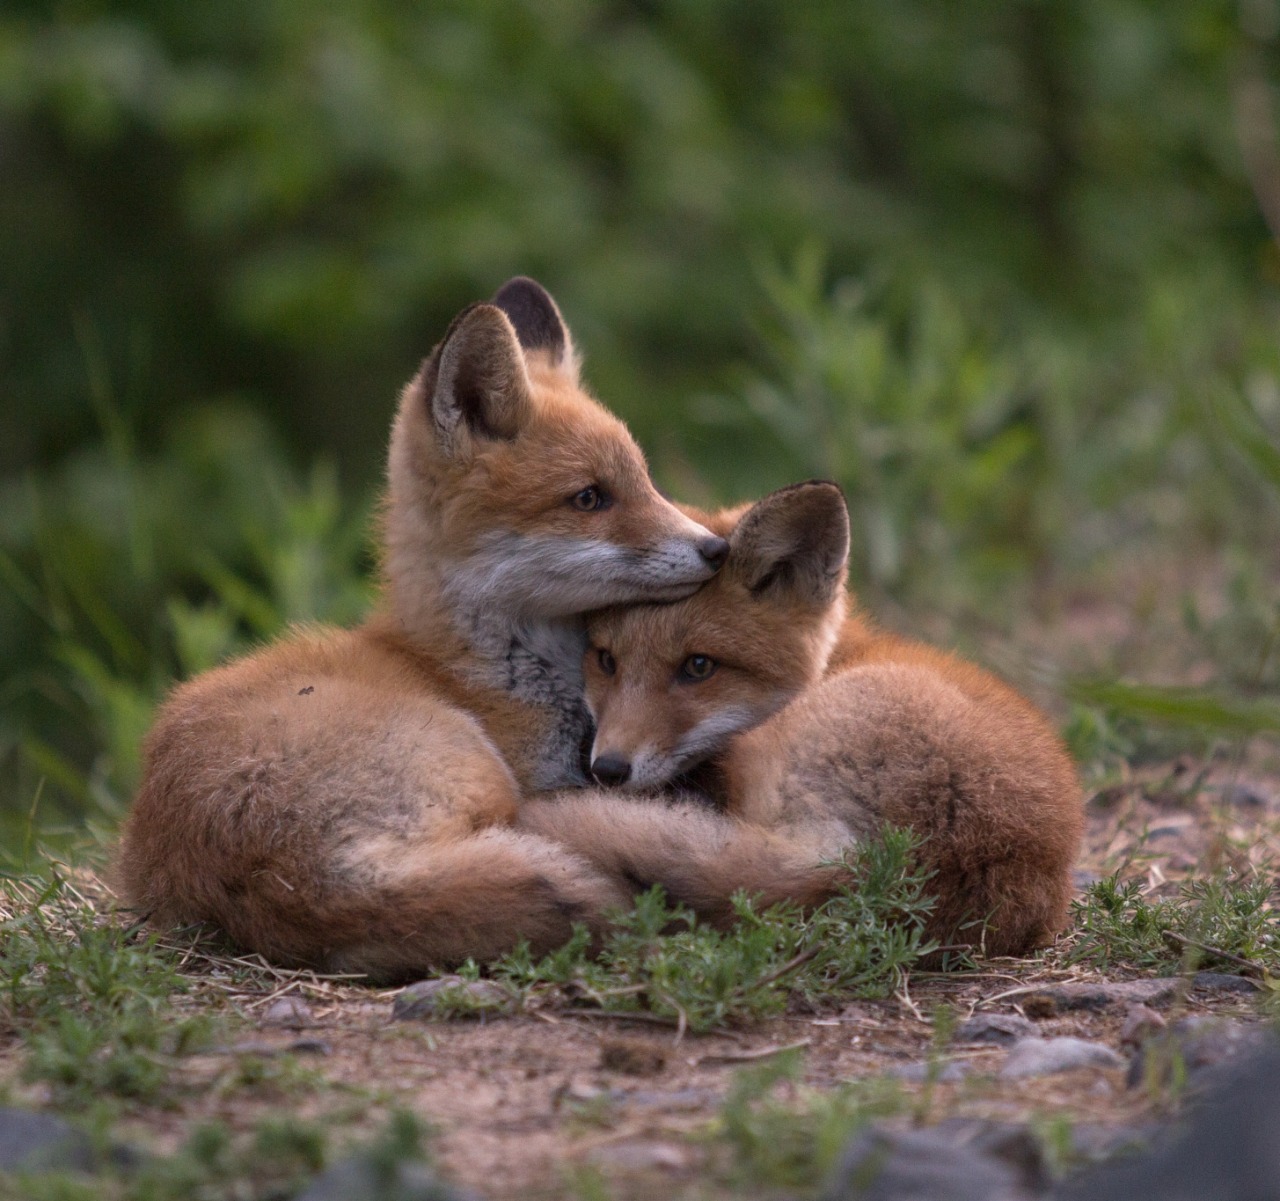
1208 920
658 961
90 998
105 1018
778 1135
274 1160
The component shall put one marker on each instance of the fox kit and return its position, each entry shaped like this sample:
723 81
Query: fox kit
345 799
877 730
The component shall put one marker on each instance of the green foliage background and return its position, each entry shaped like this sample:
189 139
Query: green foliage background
997 268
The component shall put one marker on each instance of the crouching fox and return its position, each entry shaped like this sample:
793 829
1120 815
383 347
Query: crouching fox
808 729
346 799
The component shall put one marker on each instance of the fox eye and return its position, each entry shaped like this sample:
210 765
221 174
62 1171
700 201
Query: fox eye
589 500
697 668
608 664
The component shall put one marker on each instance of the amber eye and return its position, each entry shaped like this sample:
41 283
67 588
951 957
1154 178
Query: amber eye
696 668
589 500
608 664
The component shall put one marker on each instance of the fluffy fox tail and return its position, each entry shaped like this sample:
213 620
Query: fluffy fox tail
699 856
393 911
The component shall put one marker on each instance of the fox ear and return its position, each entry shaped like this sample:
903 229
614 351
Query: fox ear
475 382
793 544
537 321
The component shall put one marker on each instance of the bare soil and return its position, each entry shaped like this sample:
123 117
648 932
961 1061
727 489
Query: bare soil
519 1104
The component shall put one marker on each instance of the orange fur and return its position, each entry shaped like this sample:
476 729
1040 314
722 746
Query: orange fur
345 799
878 729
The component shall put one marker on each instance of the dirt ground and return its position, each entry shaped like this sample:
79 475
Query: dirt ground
519 1104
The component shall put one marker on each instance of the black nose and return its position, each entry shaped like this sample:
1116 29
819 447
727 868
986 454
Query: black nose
714 550
611 769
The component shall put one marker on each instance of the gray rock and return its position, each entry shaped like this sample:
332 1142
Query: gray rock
1224 982
1229 1153
1003 1029
642 1155
1140 1023
920 1165
1099 995
359 1179
677 1100
1195 1047
264 1050
1094 1141
1047 1056
40 1142
1009 1142
448 997
291 1012
949 1071
1247 795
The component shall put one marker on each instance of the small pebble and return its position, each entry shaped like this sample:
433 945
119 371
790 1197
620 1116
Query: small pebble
642 1156
1000 1028
631 1056
950 1071
289 1011
1048 1056
429 999
1140 1023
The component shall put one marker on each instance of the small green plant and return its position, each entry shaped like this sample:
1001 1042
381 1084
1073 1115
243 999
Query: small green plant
1223 921
90 998
944 1028
779 1134
659 960
272 1161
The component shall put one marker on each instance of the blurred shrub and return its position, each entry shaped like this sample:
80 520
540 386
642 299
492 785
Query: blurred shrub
121 572
980 454
290 201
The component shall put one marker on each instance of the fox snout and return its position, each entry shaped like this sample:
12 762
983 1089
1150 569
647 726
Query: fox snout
611 770
715 551
689 554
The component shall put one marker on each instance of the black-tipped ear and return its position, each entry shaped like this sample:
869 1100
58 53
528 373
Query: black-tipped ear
475 382
793 544
535 318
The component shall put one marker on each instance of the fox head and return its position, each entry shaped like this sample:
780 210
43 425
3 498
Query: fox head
668 685
512 490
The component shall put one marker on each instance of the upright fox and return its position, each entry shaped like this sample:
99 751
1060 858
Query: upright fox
877 730
346 799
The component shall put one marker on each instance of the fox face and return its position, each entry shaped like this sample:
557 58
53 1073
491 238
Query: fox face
668 685
528 495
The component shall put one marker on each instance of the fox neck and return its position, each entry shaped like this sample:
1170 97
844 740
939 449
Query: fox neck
497 654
